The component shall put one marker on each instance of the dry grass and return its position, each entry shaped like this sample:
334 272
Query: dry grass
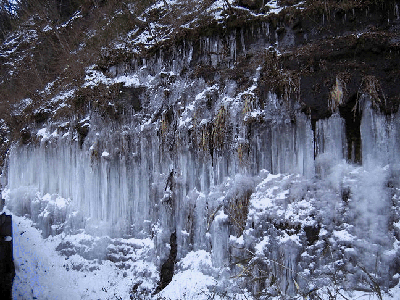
243 151
284 83
219 129
248 103
238 210
337 94
370 85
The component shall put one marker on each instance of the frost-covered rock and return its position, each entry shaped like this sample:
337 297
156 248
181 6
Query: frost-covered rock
211 160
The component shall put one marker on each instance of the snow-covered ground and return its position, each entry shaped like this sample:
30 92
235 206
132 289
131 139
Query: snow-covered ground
42 273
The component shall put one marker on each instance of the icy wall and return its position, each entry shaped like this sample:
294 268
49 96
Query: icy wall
196 164
146 191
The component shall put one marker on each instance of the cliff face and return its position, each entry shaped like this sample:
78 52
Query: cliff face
181 132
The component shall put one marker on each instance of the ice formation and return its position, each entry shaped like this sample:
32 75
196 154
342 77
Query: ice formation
201 180
131 186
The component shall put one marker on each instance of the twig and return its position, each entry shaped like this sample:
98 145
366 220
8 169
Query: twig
374 285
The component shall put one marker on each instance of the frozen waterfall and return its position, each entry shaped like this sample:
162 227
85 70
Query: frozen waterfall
216 188
127 192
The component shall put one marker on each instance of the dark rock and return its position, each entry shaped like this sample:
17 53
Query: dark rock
132 96
167 269
312 233
352 116
7 270
82 129
252 4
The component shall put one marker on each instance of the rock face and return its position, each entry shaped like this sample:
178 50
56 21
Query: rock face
6 257
186 143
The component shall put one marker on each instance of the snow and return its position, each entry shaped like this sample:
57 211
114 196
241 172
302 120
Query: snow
42 273
196 260
275 8
62 96
343 235
128 80
286 239
76 15
203 93
217 9
188 284
44 134
95 77
47 28
221 216
260 246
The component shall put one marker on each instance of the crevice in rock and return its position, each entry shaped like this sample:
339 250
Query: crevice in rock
167 269
352 116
